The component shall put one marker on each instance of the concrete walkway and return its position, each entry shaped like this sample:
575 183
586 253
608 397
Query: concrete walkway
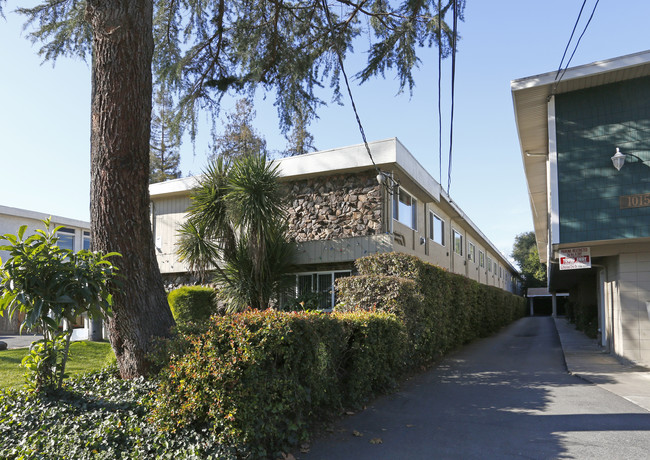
19 341
587 360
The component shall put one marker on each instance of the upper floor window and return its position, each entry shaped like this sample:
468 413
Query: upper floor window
458 242
481 259
66 238
405 208
471 251
436 229
489 264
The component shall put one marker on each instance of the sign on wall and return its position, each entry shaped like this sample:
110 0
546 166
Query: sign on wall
574 258
641 200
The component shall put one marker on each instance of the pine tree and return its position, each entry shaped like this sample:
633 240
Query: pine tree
164 154
204 49
239 138
299 139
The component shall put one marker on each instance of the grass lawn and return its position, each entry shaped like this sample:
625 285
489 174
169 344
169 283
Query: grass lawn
84 357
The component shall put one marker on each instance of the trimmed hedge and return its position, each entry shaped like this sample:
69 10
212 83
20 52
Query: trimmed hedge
192 304
260 379
440 310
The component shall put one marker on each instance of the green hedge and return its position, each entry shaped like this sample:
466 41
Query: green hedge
192 304
262 378
440 310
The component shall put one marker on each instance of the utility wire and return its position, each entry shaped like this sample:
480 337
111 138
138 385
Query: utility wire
347 84
439 91
453 81
558 80
575 26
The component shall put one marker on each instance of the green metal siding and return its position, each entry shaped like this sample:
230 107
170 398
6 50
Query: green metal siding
590 124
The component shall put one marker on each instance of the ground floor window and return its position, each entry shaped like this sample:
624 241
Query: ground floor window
318 287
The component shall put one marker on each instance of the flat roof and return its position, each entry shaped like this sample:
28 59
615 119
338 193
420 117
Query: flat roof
388 155
530 97
58 220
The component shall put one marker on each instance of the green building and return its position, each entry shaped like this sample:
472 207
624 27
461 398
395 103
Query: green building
585 144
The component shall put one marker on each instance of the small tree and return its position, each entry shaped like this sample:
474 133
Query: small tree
299 139
164 153
239 138
52 286
525 253
236 226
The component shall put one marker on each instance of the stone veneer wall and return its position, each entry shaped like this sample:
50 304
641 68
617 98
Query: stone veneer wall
338 206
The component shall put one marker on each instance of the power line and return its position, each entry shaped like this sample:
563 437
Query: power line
439 91
453 83
347 85
558 80
559 67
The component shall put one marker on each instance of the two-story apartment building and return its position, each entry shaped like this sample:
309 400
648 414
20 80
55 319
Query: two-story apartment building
74 235
344 207
585 144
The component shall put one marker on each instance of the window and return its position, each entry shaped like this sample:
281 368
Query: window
481 259
489 264
471 252
495 268
405 208
86 240
436 229
458 242
66 238
321 283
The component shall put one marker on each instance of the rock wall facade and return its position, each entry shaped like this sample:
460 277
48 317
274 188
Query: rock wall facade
338 206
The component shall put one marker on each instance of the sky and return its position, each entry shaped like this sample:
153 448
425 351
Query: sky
45 109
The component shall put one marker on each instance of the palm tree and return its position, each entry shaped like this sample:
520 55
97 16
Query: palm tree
236 228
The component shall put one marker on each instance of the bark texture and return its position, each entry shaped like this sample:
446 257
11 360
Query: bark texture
120 126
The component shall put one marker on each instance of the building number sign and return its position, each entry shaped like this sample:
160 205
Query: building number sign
641 200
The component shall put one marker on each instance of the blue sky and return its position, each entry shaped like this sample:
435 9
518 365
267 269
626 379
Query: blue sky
45 110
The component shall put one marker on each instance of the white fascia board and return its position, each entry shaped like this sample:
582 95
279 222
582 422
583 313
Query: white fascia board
587 70
33 215
416 172
174 186
388 155
339 160
554 200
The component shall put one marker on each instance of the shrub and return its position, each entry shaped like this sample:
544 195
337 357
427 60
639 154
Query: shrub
192 304
260 379
440 310
98 416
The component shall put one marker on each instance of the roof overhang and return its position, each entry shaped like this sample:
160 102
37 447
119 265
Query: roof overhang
388 155
530 97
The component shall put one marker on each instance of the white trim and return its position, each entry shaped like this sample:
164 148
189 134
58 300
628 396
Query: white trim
432 229
455 232
587 70
554 202
56 220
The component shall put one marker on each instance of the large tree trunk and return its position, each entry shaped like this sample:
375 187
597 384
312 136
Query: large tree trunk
121 118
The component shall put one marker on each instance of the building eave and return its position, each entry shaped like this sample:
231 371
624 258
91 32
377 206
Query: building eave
530 98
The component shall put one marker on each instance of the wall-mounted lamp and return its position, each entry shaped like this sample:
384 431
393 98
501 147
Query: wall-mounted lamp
385 179
618 159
